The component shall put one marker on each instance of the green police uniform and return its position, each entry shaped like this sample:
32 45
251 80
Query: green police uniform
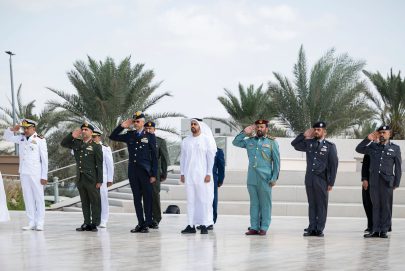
264 167
89 168
163 162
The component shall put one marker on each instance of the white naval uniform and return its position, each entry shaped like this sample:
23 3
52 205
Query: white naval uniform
108 175
33 167
197 161
4 214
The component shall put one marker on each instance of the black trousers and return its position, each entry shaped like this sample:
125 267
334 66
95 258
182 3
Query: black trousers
317 194
368 207
156 208
141 189
381 197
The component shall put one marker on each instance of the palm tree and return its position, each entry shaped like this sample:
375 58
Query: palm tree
108 94
389 100
332 92
252 104
47 119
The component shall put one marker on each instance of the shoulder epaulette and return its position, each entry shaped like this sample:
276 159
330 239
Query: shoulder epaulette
105 145
41 136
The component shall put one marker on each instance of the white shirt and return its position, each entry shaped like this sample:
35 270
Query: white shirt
33 153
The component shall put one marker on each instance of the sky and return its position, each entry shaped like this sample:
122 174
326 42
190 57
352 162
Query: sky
197 48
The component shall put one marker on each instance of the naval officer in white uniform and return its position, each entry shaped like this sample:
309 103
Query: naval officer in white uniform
108 176
33 170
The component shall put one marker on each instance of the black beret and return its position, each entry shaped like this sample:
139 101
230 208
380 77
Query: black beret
319 124
384 127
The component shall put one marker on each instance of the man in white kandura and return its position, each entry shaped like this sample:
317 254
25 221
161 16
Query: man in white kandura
4 214
196 163
33 170
108 176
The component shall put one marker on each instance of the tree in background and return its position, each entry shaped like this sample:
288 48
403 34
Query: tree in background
252 104
388 100
108 93
332 92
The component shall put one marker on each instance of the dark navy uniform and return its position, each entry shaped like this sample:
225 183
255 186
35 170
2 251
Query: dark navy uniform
322 164
142 165
385 174
365 194
219 176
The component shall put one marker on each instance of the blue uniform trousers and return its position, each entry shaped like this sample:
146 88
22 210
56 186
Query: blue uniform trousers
141 188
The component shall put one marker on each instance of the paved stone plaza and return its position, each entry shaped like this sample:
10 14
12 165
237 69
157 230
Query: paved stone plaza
60 247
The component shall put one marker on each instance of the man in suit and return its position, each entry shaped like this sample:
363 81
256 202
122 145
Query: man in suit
385 177
263 172
108 177
142 166
89 177
322 164
33 170
163 162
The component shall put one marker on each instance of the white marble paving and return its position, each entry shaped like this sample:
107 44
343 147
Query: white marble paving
60 247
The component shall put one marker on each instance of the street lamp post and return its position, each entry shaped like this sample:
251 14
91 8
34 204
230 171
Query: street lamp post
12 94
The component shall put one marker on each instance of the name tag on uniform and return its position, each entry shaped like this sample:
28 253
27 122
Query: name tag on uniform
89 148
33 142
324 149
144 140
390 150
266 145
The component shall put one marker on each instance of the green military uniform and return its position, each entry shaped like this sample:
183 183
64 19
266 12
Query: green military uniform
264 168
163 162
89 167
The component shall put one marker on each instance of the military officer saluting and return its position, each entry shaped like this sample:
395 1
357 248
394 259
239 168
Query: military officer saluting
142 166
385 176
33 170
163 162
322 164
264 168
89 177
108 177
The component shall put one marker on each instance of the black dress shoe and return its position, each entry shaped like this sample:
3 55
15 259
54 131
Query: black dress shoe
319 234
204 229
309 233
372 235
383 234
83 227
144 230
306 229
138 228
199 227
367 230
154 225
93 228
210 227
188 229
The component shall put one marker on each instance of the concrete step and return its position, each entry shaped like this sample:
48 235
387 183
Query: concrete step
287 208
288 193
72 209
113 209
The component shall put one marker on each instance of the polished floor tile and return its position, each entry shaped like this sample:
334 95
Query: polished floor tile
60 247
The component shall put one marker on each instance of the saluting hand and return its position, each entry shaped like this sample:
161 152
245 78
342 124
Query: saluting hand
373 136
309 133
76 133
249 130
126 123
16 128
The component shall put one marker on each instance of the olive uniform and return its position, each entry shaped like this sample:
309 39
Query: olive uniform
89 167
